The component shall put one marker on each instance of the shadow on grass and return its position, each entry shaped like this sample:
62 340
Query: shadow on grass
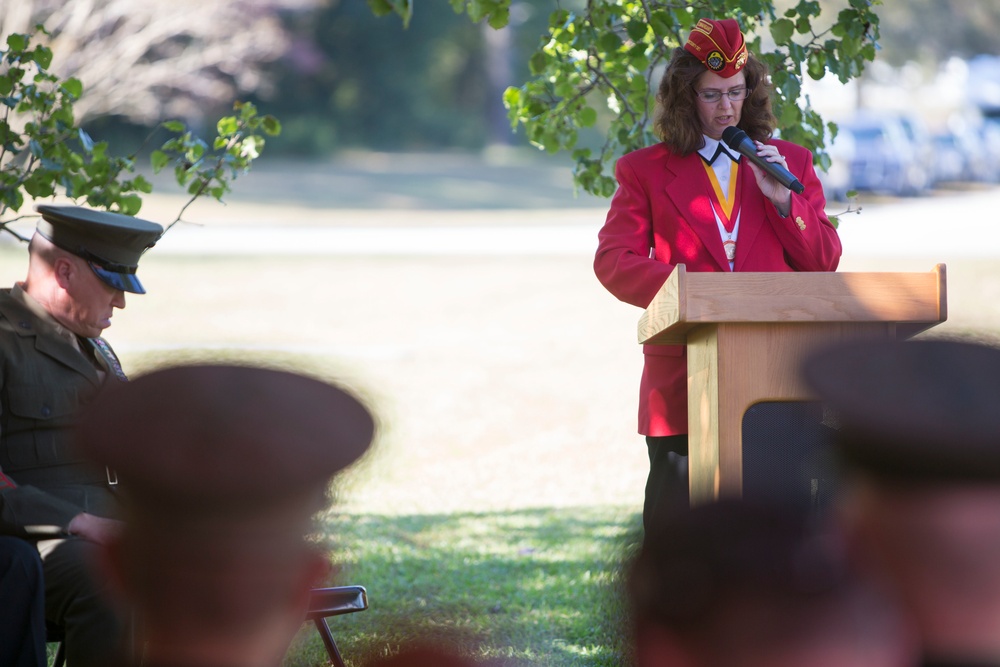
529 587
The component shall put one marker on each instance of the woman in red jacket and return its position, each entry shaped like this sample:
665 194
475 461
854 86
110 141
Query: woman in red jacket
692 200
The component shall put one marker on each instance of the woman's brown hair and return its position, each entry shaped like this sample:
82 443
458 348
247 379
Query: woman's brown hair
677 115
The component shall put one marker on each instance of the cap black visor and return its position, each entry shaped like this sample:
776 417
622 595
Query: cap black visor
127 282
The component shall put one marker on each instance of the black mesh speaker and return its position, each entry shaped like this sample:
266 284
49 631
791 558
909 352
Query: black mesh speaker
787 455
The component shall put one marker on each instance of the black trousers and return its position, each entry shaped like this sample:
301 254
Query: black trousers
667 484
77 602
22 605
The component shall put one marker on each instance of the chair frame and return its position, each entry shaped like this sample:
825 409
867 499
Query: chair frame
325 603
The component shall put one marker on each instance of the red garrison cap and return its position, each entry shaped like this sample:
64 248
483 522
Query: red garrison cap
719 45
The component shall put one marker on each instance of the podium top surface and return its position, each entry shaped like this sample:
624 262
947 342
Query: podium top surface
690 299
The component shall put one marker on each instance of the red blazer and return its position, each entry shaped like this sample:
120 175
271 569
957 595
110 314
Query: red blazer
662 203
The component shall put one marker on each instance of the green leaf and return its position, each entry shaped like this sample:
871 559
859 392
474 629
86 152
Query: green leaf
43 56
271 125
130 204
17 42
227 126
141 184
159 160
404 8
636 30
174 126
379 7
73 87
196 151
40 184
587 117
816 65
499 18
538 62
824 162
781 31
686 19
637 58
512 97
661 23
13 198
564 88
609 42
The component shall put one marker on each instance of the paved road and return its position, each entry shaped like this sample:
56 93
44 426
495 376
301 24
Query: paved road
953 225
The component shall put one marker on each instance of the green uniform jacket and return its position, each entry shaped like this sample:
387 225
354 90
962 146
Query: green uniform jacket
44 380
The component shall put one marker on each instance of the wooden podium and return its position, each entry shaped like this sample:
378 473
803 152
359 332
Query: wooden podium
747 333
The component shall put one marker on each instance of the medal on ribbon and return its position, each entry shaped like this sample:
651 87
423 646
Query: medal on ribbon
726 205
109 357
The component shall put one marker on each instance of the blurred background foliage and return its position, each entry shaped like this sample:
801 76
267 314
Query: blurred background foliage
931 31
340 78
348 79
352 80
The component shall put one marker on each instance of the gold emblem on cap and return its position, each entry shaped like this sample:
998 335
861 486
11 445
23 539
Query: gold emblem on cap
715 61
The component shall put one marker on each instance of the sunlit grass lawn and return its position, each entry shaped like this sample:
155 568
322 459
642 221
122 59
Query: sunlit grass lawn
528 587
507 584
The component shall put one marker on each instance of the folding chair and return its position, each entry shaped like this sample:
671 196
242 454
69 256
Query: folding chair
335 601
323 604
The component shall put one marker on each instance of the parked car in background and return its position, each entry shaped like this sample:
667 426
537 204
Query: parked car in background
950 165
978 163
989 132
893 153
922 145
883 157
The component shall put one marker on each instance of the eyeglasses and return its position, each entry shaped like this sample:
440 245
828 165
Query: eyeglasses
712 96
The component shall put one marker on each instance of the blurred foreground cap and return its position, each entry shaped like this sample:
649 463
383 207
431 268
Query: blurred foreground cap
111 242
918 411
719 45
223 440
695 564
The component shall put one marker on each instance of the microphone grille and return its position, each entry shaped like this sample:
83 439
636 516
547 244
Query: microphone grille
733 136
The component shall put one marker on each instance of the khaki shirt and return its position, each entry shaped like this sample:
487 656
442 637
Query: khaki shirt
45 378
18 294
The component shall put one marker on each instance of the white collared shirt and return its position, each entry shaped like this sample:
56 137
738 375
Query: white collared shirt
715 149
710 150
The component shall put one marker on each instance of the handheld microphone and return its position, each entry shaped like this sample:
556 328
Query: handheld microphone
738 140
